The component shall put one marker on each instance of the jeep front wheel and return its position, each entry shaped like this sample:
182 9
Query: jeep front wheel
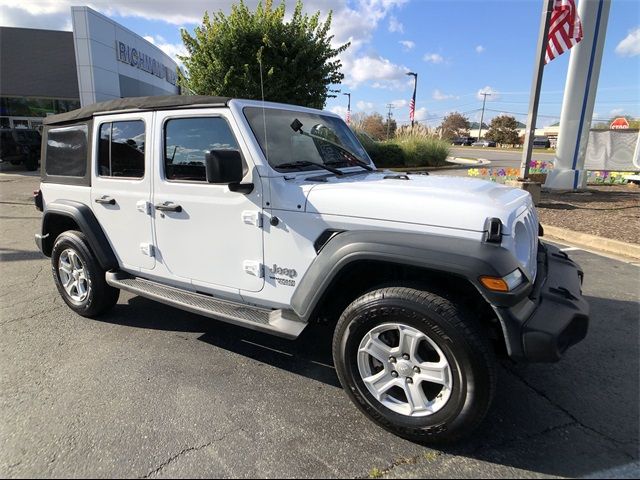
415 363
78 276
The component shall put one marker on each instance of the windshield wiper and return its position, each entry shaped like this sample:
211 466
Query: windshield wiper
296 125
306 163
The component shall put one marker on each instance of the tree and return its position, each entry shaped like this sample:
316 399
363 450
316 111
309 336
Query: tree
390 126
454 125
503 129
374 126
299 64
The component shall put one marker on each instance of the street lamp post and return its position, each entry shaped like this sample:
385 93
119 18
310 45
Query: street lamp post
348 108
412 105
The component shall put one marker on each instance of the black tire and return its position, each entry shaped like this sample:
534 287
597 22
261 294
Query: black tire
100 296
452 329
31 163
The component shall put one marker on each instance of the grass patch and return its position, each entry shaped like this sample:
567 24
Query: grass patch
407 150
422 151
375 473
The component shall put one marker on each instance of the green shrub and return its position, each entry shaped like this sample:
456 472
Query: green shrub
386 155
422 151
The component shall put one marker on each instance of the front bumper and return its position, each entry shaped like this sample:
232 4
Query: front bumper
554 316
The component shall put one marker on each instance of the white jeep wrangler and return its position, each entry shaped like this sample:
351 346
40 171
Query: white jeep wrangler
273 216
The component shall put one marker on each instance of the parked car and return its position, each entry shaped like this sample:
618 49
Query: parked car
20 146
484 143
273 217
541 142
466 141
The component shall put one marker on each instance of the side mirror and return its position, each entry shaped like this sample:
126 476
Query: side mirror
224 166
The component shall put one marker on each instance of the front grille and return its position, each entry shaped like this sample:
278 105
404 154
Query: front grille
529 220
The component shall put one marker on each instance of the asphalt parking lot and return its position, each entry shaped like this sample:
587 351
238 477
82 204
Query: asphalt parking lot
150 391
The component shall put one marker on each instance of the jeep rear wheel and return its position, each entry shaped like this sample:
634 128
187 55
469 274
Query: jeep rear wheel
415 363
79 277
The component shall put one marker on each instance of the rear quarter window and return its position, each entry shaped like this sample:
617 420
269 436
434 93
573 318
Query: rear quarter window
66 153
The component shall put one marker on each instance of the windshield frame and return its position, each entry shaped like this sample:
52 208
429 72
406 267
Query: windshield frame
301 112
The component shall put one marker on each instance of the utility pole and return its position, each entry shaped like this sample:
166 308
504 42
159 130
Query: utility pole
484 100
348 108
390 106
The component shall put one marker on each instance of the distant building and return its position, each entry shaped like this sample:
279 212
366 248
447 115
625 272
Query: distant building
43 72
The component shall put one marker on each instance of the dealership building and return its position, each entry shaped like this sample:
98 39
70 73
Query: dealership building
44 72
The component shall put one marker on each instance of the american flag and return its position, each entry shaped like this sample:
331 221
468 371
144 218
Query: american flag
348 117
412 109
565 29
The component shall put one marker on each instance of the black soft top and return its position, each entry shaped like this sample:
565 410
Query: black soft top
134 104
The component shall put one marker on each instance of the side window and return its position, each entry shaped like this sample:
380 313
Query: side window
187 141
67 151
121 149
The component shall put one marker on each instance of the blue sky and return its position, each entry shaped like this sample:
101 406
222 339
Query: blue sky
457 47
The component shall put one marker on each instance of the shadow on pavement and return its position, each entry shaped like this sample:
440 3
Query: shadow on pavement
309 355
545 418
11 255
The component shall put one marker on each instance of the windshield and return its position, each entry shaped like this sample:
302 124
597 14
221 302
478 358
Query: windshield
285 146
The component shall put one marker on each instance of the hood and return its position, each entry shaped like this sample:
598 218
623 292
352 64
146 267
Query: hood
434 200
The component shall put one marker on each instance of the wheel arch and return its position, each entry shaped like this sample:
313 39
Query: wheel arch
65 215
376 259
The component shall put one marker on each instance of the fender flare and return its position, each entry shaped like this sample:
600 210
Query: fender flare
84 217
466 258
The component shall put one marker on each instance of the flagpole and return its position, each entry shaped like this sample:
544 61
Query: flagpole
534 99
413 98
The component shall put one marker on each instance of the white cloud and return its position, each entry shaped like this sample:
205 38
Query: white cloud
339 110
407 45
433 58
50 12
438 95
480 49
630 45
421 114
616 112
395 26
399 103
493 94
381 71
367 106
171 49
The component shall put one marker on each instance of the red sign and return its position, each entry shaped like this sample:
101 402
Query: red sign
620 123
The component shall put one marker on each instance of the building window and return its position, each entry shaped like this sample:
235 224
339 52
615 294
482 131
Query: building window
35 107
121 149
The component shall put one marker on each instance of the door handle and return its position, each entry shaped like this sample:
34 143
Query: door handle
106 200
168 207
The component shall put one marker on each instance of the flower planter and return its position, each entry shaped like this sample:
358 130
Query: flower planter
538 177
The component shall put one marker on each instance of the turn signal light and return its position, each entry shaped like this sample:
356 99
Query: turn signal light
496 284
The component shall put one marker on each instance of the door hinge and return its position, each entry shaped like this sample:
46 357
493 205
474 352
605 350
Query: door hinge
148 249
253 268
144 207
251 217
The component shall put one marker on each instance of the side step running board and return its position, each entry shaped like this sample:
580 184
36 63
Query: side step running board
283 323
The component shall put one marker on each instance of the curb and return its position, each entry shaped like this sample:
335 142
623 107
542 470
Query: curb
468 161
593 242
